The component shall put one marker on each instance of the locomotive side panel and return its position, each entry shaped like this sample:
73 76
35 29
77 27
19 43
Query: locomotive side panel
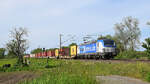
87 49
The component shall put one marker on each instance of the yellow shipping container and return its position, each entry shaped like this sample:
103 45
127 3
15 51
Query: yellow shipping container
56 52
73 50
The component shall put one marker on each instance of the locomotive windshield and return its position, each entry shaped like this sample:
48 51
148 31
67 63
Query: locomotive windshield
109 43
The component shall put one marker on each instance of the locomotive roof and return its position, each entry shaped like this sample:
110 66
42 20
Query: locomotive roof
95 41
106 39
89 42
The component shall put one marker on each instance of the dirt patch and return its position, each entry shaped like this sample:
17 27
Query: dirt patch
16 77
118 80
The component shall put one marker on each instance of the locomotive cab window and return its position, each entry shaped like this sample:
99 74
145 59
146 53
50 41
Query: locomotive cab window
109 43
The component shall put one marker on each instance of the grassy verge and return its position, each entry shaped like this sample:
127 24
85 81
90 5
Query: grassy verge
81 72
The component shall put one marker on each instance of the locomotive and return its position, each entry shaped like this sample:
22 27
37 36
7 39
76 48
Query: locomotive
99 49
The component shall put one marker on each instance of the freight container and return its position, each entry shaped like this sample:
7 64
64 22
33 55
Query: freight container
27 56
73 50
36 55
56 52
64 52
51 53
40 55
44 54
32 55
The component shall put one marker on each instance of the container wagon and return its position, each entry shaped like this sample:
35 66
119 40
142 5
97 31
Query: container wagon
44 54
51 53
64 53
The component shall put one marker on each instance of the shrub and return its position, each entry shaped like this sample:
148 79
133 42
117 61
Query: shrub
148 77
1 69
47 66
126 55
146 45
131 55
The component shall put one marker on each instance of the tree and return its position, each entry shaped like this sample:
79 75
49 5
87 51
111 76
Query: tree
11 55
2 53
147 45
105 37
64 47
18 43
72 44
128 33
38 50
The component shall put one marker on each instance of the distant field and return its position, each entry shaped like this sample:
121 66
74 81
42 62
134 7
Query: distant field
7 61
76 71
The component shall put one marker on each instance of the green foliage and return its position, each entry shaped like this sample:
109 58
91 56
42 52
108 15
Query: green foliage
15 68
126 55
105 37
51 49
18 43
47 66
128 33
72 44
38 50
7 61
147 46
78 72
11 55
131 55
65 47
2 53
148 77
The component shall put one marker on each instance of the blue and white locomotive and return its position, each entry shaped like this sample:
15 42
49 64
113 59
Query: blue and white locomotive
100 49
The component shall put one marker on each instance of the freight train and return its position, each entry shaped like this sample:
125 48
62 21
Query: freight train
100 49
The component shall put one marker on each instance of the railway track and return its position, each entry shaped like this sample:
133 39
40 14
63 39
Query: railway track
116 60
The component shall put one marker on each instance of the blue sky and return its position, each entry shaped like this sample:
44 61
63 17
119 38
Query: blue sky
46 19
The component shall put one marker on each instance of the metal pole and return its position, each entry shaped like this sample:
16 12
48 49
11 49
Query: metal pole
60 45
60 41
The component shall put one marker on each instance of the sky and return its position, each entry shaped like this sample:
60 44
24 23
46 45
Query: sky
46 19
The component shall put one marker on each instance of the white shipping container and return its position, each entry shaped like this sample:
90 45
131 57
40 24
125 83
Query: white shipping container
32 55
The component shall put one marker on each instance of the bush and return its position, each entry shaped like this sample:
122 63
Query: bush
148 77
47 66
126 55
131 55
1 69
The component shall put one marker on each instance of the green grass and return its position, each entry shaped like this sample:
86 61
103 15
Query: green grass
132 55
7 61
81 72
